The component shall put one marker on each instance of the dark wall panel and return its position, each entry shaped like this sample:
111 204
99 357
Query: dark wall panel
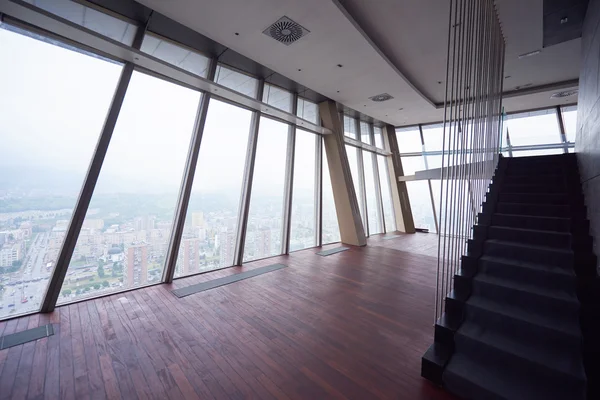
587 143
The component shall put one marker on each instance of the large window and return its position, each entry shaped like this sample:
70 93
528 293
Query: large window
349 127
211 223
378 136
175 54
238 81
99 22
409 140
433 137
265 219
125 234
365 132
353 154
303 221
569 115
373 205
308 110
277 97
537 127
386 194
418 194
51 114
331 229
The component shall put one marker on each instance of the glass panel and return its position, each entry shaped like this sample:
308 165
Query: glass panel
378 132
409 140
303 229
177 55
51 114
331 229
350 127
433 136
569 115
386 194
211 222
353 154
123 242
277 97
412 164
538 127
365 133
420 204
544 152
308 110
89 18
263 237
240 82
373 210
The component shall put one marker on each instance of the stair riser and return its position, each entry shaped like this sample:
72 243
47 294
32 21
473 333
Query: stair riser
534 198
534 188
557 240
539 210
520 329
466 389
529 254
487 354
525 222
546 280
527 301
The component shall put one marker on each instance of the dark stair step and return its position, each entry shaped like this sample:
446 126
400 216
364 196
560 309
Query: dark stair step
534 179
529 356
473 380
553 224
534 198
559 304
554 187
545 276
538 210
531 236
539 169
529 253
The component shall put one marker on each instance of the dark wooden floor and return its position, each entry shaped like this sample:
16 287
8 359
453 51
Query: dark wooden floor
352 325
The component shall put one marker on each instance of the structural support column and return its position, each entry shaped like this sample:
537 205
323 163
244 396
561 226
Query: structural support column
344 194
561 126
85 196
402 211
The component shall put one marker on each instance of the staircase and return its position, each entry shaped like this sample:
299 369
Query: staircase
522 321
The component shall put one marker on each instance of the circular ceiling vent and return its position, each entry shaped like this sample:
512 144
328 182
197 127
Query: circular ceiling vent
381 97
566 93
286 31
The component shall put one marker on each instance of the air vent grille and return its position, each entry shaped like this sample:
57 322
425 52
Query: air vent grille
381 97
566 93
286 31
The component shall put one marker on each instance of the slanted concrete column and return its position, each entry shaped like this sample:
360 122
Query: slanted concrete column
403 213
344 194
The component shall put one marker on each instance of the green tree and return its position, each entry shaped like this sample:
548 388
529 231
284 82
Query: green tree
100 269
87 289
17 263
97 286
105 283
66 292
78 292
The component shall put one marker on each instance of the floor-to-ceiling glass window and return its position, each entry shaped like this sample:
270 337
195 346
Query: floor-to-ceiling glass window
308 110
175 54
51 114
373 205
418 194
353 153
569 115
209 234
126 231
349 127
386 194
365 132
534 128
238 81
303 220
278 97
265 218
331 230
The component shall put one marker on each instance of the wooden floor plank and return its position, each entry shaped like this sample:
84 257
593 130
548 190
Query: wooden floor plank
353 325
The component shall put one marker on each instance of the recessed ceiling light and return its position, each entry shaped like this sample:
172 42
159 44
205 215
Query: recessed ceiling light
400 109
531 53
340 65
439 82
507 76
338 91
237 34
299 69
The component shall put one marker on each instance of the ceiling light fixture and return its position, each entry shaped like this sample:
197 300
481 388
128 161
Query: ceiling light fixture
381 97
566 93
531 53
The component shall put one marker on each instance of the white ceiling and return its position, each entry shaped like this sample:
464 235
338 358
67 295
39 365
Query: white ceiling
392 46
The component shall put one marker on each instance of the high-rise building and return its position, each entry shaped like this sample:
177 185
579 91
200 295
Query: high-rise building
226 241
137 264
190 248
198 220
262 240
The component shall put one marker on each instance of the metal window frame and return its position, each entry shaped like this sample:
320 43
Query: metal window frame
319 190
244 208
378 194
187 183
429 184
561 127
289 182
361 180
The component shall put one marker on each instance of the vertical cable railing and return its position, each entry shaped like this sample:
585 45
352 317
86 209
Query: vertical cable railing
472 129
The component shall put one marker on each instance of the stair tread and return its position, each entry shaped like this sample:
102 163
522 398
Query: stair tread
504 382
570 328
532 216
524 287
528 230
526 264
529 246
561 360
